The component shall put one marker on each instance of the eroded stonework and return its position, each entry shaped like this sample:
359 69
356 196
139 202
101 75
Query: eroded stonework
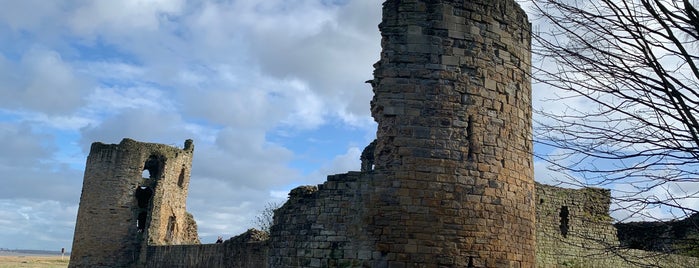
447 183
133 195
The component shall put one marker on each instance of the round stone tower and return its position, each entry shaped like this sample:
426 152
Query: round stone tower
133 195
454 144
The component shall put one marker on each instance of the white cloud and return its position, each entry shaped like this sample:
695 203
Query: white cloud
123 16
39 192
334 57
349 161
259 103
111 71
41 81
225 73
23 147
29 14
225 209
307 107
143 124
244 159
633 202
118 98
57 122
543 174
52 224
328 49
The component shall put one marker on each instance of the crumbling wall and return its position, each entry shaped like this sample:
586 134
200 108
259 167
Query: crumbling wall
451 180
121 210
448 182
324 225
676 236
574 229
170 224
573 225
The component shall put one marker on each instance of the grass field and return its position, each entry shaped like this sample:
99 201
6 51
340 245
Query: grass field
33 262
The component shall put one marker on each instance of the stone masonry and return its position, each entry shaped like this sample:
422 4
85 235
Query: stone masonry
574 229
452 99
447 183
123 209
572 223
452 181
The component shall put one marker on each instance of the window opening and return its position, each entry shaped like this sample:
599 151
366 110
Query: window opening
141 222
471 139
367 157
170 229
180 181
143 196
154 166
564 221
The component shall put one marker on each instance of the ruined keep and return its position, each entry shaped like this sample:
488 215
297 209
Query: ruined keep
133 195
447 183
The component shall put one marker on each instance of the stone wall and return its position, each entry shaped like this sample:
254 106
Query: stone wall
574 229
244 250
572 225
205 255
448 182
675 236
325 226
121 211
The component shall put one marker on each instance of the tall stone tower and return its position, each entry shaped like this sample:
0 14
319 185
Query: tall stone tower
133 195
454 144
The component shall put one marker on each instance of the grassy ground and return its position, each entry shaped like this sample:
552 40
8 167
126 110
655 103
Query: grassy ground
33 262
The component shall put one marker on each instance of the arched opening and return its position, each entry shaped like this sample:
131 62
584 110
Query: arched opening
143 197
564 221
153 168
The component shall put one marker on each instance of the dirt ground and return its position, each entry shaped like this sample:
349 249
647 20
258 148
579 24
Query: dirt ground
33 261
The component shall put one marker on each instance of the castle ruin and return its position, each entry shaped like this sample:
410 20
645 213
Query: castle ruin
447 183
133 195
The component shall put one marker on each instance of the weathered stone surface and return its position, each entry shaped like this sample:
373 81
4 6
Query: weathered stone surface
452 178
447 183
675 236
574 229
469 141
113 226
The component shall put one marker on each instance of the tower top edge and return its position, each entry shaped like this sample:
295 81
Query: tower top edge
127 143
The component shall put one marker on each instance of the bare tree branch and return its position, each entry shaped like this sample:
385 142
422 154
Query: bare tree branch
626 75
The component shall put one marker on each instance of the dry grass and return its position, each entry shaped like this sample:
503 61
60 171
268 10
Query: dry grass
33 262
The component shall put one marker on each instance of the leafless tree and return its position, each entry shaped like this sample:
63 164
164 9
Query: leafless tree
624 75
265 219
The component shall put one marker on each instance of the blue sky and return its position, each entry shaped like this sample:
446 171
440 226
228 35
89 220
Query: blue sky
271 91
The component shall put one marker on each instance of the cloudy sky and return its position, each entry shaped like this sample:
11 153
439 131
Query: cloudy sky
271 91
